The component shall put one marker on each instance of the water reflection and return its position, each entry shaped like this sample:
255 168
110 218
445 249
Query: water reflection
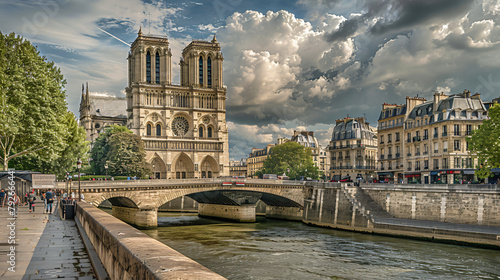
272 249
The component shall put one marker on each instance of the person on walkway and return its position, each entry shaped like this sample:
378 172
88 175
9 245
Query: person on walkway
2 197
31 200
49 197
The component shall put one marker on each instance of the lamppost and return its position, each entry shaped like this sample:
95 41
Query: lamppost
78 166
106 167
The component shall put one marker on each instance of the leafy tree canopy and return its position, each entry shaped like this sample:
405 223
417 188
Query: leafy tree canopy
485 143
292 159
123 151
36 130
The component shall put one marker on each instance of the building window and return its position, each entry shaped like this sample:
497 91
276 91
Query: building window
201 70
148 130
157 67
209 132
389 138
426 134
456 130
445 130
456 145
158 130
468 130
397 136
436 163
148 67
209 71
445 163
457 162
201 131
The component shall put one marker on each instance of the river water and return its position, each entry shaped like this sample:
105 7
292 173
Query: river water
273 249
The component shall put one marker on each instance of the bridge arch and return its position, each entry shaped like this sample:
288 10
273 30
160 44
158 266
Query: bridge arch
270 196
119 198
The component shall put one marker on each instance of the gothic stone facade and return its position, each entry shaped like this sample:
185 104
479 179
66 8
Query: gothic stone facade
183 126
100 111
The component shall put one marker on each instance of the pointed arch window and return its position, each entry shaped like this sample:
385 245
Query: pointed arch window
201 70
157 67
158 130
209 71
148 130
209 132
148 67
201 131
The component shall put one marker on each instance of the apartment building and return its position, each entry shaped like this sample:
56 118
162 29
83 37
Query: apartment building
353 149
435 132
390 142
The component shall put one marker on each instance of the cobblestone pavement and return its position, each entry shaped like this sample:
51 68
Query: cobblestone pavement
46 247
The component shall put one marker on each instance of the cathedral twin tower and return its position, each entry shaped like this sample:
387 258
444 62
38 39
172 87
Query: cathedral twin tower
183 126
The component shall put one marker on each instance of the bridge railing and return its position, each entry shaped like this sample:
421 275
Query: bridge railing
173 182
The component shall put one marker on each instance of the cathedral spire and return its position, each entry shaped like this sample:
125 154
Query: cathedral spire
87 94
140 32
214 40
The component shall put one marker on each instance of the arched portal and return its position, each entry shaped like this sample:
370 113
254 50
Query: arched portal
159 169
209 168
183 167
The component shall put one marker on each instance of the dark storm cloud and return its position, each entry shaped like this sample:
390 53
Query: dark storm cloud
411 13
399 14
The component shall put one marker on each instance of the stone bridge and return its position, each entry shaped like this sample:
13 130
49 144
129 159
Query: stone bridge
137 201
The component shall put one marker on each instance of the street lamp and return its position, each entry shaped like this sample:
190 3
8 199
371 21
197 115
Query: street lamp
106 167
78 166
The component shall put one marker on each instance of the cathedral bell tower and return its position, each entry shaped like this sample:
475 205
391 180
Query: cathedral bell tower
150 61
201 64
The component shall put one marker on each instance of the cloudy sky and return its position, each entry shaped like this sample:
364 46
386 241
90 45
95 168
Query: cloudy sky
288 64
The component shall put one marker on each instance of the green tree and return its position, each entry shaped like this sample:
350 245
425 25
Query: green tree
74 147
485 143
292 159
123 151
33 109
127 155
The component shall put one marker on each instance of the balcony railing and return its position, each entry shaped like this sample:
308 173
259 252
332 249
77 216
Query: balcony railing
382 156
417 153
397 139
436 167
398 155
426 137
445 150
426 167
408 140
381 142
445 134
435 135
390 141
408 154
456 133
183 146
389 156
409 168
468 133
417 168
425 153
436 151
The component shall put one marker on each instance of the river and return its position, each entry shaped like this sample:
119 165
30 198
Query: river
274 249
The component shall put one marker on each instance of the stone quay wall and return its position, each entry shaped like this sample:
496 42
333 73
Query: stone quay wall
463 204
128 253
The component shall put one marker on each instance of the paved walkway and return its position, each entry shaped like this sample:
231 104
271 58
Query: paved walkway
440 225
46 247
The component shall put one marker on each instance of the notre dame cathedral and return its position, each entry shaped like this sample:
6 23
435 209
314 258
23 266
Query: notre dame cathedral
183 126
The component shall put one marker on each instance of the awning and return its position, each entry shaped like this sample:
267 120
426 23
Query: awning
495 170
469 172
434 173
386 174
408 175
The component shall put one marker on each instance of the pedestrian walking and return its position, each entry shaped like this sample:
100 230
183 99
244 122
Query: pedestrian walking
49 197
31 201
2 197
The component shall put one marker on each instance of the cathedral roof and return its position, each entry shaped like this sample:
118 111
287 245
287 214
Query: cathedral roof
108 106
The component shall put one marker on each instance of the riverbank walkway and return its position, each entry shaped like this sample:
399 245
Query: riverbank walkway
47 247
